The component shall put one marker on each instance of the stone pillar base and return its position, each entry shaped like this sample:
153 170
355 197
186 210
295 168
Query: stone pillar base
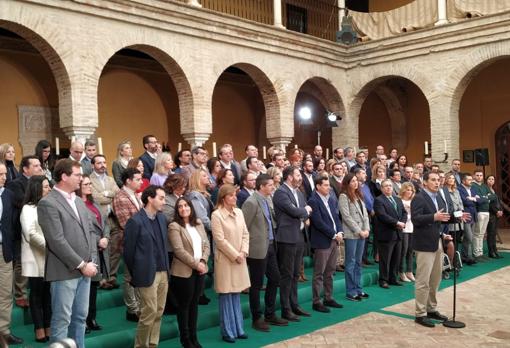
80 133
196 139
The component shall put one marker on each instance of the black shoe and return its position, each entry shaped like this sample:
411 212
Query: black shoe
493 256
43 340
469 262
480 259
363 295
93 325
319 307
194 340
274 320
260 325
203 300
356 298
367 263
301 312
11 339
396 283
437 316
290 316
424 321
228 339
187 343
384 285
87 330
243 336
132 317
332 303
340 268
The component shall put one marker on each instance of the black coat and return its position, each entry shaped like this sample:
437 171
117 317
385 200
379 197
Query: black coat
6 225
386 218
18 187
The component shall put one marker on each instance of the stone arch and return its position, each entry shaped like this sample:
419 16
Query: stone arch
54 60
175 72
267 91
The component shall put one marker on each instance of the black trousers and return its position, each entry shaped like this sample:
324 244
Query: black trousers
92 301
186 292
389 257
40 302
290 257
492 230
171 302
258 268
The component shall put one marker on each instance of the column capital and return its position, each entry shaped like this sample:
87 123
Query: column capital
196 139
193 3
80 133
280 142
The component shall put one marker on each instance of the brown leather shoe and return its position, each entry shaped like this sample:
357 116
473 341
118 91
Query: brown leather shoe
23 303
260 325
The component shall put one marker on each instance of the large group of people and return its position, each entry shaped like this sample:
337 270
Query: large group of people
67 224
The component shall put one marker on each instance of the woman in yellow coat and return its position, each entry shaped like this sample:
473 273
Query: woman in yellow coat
231 276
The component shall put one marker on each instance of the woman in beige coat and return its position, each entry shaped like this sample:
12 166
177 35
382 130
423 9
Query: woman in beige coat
189 265
33 253
231 241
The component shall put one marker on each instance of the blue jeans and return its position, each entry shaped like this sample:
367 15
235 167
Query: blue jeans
69 306
353 254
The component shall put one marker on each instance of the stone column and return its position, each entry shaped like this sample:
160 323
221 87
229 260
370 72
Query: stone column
281 142
196 139
347 132
444 125
441 13
277 10
80 133
193 3
341 13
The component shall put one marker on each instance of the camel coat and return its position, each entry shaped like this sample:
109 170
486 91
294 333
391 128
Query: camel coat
230 239
183 262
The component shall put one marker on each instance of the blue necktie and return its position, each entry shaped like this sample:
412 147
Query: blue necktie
268 218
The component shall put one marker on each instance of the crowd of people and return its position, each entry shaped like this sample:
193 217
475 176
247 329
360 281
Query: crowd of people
67 224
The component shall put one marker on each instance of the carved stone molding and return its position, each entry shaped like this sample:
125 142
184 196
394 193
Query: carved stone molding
36 123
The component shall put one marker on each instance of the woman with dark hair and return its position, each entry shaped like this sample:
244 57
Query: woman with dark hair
33 253
320 166
135 163
214 167
43 152
191 249
102 232
402 163
356 227
226 176
495 212
231 242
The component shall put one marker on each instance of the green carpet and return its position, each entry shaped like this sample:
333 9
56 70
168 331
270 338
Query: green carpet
117 332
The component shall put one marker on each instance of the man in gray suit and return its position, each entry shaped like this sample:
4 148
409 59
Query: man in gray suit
71 253
291 211
261 260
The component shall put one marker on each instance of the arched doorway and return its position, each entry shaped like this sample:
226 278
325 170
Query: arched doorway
243 98
394 113
321 98
503 168
138 95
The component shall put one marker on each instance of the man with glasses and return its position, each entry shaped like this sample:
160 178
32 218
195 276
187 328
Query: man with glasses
150 144
198 160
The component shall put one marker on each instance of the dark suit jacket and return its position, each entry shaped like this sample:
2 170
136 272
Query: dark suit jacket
426 232
242 196
469 206
140 248
17 187
322 229
386 218
69 239
148 165
307 188
335 185
6 225
289 215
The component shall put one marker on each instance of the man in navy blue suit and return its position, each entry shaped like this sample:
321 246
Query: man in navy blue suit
148 158
308 179
6 257
248 188
146 257
325 234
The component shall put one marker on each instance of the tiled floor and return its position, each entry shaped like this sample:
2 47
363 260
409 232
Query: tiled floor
483 305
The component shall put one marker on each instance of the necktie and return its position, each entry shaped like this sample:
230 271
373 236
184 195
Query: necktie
392 200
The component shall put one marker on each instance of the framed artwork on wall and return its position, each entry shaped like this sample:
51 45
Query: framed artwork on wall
468 156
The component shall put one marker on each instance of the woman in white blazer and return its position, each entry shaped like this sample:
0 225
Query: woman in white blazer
356 227
33 252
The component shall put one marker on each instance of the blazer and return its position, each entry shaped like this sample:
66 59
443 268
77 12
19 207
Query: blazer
289 215
169 207
469 206
117 170
148 165
18 187
427 232
386 218
33 244
86 165
202 206
124 207
258 227
140 248
183 262
231 238
242 196
98 192
69 239
354 217
101 230
322 229
6 221
335 185
307 188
